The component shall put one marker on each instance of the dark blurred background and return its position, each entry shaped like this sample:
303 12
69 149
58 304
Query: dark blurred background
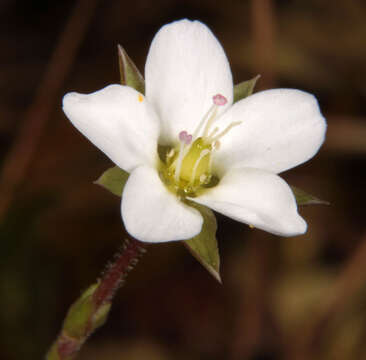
293 298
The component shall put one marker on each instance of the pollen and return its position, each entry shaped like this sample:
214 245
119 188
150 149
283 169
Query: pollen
140 98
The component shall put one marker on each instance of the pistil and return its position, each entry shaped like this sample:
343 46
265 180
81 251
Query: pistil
185 139
193 175
190 165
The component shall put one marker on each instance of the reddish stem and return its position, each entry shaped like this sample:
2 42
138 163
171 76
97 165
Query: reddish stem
117 271
67 345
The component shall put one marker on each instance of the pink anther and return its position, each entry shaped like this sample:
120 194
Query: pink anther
185 137
219 100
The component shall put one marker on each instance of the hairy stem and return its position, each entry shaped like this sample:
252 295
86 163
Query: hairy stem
90 311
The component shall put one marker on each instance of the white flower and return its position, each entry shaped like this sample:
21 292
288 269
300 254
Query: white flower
212 152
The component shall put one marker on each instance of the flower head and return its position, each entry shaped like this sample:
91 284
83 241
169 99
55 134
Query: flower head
184 141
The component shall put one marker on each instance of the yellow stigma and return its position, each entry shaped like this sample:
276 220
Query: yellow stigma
140 98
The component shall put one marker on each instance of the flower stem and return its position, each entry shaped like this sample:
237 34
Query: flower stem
90 311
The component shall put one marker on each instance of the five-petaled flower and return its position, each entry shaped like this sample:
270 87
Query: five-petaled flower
185 141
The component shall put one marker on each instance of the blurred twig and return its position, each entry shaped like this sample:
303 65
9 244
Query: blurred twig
21 153
307 341
253 308
263 33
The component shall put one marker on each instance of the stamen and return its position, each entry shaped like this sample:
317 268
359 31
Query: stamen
193 148
217 145
185 137
213 132
202 122
203 178
209 122
170 154
210 161
224 132
219 100
179 161
202 155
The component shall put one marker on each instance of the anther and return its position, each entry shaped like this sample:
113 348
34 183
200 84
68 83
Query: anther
217 145
170 153
203 178
185 138
219 100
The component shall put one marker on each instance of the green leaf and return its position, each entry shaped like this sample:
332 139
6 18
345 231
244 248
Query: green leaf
129 73
204 246
245 88
302 198
113 179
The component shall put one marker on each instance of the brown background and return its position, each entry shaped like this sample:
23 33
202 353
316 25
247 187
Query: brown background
297 298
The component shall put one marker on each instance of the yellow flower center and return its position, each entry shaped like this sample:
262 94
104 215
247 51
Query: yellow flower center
196 163
186 170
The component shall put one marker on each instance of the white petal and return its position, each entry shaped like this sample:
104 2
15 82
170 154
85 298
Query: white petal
153 214
280 129
119 121
186 66
257 198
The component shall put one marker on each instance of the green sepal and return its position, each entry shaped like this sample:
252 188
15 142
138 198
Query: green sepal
77 323
113 179
302 198
53 353
101 315
204 246
245 88
129 73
